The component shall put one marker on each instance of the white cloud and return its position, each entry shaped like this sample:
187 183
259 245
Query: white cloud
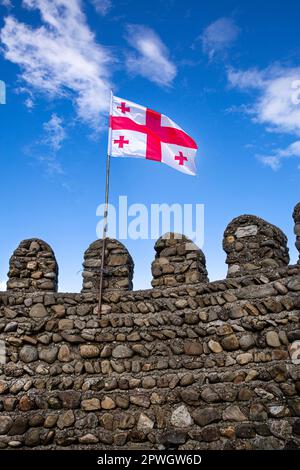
29 103
219 36
2 285
102 6
274 160
45 149
61 57
152 58
276 105
55 132
7 4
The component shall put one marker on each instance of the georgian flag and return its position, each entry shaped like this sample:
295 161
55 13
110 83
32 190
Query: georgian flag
136 131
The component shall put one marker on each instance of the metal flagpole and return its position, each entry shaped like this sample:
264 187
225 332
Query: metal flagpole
105 221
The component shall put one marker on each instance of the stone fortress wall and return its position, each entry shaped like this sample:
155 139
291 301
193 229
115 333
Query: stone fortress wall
188 364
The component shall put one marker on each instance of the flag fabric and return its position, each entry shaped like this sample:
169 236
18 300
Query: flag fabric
137 131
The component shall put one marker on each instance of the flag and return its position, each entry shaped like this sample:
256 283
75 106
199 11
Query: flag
136 131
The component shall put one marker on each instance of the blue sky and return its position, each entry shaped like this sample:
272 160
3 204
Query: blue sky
227 72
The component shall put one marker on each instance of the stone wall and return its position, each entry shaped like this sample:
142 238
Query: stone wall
196 366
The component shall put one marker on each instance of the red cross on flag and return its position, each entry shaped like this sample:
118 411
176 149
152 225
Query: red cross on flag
139 132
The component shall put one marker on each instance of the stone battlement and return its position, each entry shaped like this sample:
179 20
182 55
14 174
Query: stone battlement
188 364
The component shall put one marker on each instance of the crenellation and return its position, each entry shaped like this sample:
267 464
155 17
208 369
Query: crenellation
196 365
252 245
33 267
177 261
118 270
296 216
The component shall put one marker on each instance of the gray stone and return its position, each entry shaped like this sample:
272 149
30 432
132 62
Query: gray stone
5 424
28 354
38 311
32 438
122 352
48 354
281 429
144 423
272 339
181 417
65 420
247 231
246 342
294 284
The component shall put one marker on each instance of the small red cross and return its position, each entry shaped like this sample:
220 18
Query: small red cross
123 108
156 134
121 141
181 158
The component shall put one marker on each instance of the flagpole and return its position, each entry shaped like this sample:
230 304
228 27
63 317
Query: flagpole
105 221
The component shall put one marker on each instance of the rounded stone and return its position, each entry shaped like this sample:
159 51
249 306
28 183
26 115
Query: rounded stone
122 352
214 346
91 404
48 355
65 420
193 348
38 311
28 354
88 351
272 339
230 343
108 404
88 439
64 354
246 342
5 424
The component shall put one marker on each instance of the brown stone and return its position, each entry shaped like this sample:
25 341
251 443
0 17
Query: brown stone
214 346
192 348
108 403
206 416
65 420
233 413
91 404
38 311
88 351
230 343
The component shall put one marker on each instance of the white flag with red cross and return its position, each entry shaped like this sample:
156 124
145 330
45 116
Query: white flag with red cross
136 131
